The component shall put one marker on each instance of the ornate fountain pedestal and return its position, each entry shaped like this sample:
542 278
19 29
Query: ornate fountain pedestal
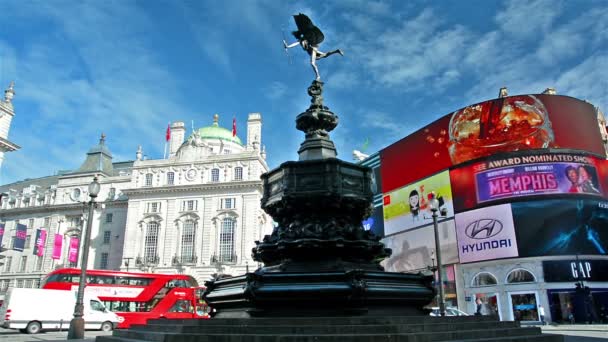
319 260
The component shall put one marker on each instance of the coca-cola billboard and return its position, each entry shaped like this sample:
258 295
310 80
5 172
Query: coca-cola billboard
515 123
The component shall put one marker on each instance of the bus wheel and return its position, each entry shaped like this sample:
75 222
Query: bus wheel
106 326
33 327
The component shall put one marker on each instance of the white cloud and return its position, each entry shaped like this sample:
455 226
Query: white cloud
525 18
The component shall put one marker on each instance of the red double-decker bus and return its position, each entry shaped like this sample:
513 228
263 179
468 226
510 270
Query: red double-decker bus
136 297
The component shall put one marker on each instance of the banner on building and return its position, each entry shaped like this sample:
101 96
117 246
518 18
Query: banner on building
514 123
408 207
1 233
524 174
415 249
73 251
20 236
40 242
486 234
561 227
57 246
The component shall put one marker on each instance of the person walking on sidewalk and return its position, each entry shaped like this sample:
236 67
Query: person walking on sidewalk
541 313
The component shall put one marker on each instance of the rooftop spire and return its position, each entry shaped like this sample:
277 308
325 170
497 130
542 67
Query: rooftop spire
10 92
102 140
216 118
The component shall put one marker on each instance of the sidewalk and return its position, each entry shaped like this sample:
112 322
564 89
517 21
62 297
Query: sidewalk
575 327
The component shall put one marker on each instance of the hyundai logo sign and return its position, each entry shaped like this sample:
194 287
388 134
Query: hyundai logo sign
483 229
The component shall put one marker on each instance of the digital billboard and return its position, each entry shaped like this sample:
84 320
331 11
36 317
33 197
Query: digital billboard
530 173
486 234
375 223
561 227
515 123
408 207
415 249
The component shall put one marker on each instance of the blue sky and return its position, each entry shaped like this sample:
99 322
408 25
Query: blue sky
127 68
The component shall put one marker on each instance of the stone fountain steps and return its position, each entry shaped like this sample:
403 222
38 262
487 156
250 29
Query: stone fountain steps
327 329
332 329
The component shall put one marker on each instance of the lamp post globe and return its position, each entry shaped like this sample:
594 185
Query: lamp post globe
76 331
434 203
94 188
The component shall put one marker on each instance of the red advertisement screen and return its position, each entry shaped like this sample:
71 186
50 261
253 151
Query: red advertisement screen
525 174
515 123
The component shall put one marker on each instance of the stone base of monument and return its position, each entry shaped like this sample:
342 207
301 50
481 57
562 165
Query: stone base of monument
338 329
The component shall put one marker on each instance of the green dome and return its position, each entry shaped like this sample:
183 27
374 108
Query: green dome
216 132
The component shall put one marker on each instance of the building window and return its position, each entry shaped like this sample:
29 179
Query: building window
228 203
8 264
484 279
104 261
74 222
106 237
170 178
151 242
39 260
37 283
112 194
30 223
226 151
148 179
187 247
238 173
4 285
28 239
47 222
29 283
19 283
109 217
227 240
23 264
520 276
215 175
153 207
189 205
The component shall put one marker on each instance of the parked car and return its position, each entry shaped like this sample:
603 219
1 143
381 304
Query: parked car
449 311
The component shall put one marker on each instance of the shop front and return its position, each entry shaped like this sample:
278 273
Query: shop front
577 290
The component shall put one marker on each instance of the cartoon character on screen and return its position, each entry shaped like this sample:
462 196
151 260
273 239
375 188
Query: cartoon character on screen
585 182
414 202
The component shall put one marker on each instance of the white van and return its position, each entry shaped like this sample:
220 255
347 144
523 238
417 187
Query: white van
33 310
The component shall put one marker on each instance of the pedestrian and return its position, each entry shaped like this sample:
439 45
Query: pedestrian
541 313
478 311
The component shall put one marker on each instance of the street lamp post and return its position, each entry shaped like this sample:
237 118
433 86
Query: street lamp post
76 331
434 208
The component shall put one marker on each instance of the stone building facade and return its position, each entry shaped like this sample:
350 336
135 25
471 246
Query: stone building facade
197 211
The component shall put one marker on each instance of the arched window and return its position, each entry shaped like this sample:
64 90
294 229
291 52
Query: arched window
227 240
484 279
151 243
238 173
148 179
215 175
187 245
520 275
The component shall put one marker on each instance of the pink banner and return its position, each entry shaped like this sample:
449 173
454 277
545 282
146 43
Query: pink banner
40 242
57 245
73 252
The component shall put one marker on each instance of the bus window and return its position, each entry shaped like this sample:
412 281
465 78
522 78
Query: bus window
182 306
139 281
